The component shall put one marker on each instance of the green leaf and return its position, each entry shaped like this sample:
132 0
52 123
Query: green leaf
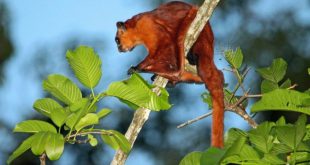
286 84
138 92
192 158
73 118
248 153
273 159
206 98
26 144
300 157
103 113
55 146
234 159
281 121
117 141
304 146
261 137
306 102
86 65
236 147
129 104
212 156
308 71
46 106
282 99
268 86
34 126
110 140
302 121
77 105
92 140
307 136
233 135
38 144
290 135
234 58
62 88
280 148
87 120
275 72
59 116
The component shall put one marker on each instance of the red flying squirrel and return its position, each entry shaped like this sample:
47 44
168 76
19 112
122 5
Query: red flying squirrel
162 31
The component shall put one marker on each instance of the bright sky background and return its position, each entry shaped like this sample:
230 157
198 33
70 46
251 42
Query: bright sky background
42 23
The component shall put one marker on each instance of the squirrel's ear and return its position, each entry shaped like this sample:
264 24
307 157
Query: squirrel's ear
121 25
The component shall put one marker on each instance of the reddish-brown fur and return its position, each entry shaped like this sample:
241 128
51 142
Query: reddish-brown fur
162 31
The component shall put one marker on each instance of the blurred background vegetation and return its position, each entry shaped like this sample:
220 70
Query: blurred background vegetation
264 30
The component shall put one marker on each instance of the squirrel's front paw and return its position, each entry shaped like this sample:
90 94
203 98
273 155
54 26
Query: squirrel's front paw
132 70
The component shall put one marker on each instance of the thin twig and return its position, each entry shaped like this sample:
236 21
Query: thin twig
293 86
82 141
254 96
194 120
241 99
236 108
240 81
246 71
243 75
43 159
242 113
68 137
229 70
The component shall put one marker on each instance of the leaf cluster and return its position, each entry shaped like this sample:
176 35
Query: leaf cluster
270 143
75 116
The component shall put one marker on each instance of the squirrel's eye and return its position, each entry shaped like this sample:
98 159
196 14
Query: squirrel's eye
117 40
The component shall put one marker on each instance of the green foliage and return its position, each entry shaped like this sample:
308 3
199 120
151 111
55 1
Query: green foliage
59 116
273 75
46 106
275 72
104 112
86 65
62 88
34 126
44 141
191 159
92 140
211 156
136 91
88 120
283 99
234 58
270 143
76 113
54 146
116 141
26 144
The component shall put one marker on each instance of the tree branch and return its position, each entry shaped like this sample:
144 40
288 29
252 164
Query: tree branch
43 159
236 108
142 114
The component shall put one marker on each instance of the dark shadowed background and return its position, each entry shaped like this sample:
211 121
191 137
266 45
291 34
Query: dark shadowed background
34 36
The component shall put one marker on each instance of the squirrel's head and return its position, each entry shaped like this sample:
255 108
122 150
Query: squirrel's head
126 38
